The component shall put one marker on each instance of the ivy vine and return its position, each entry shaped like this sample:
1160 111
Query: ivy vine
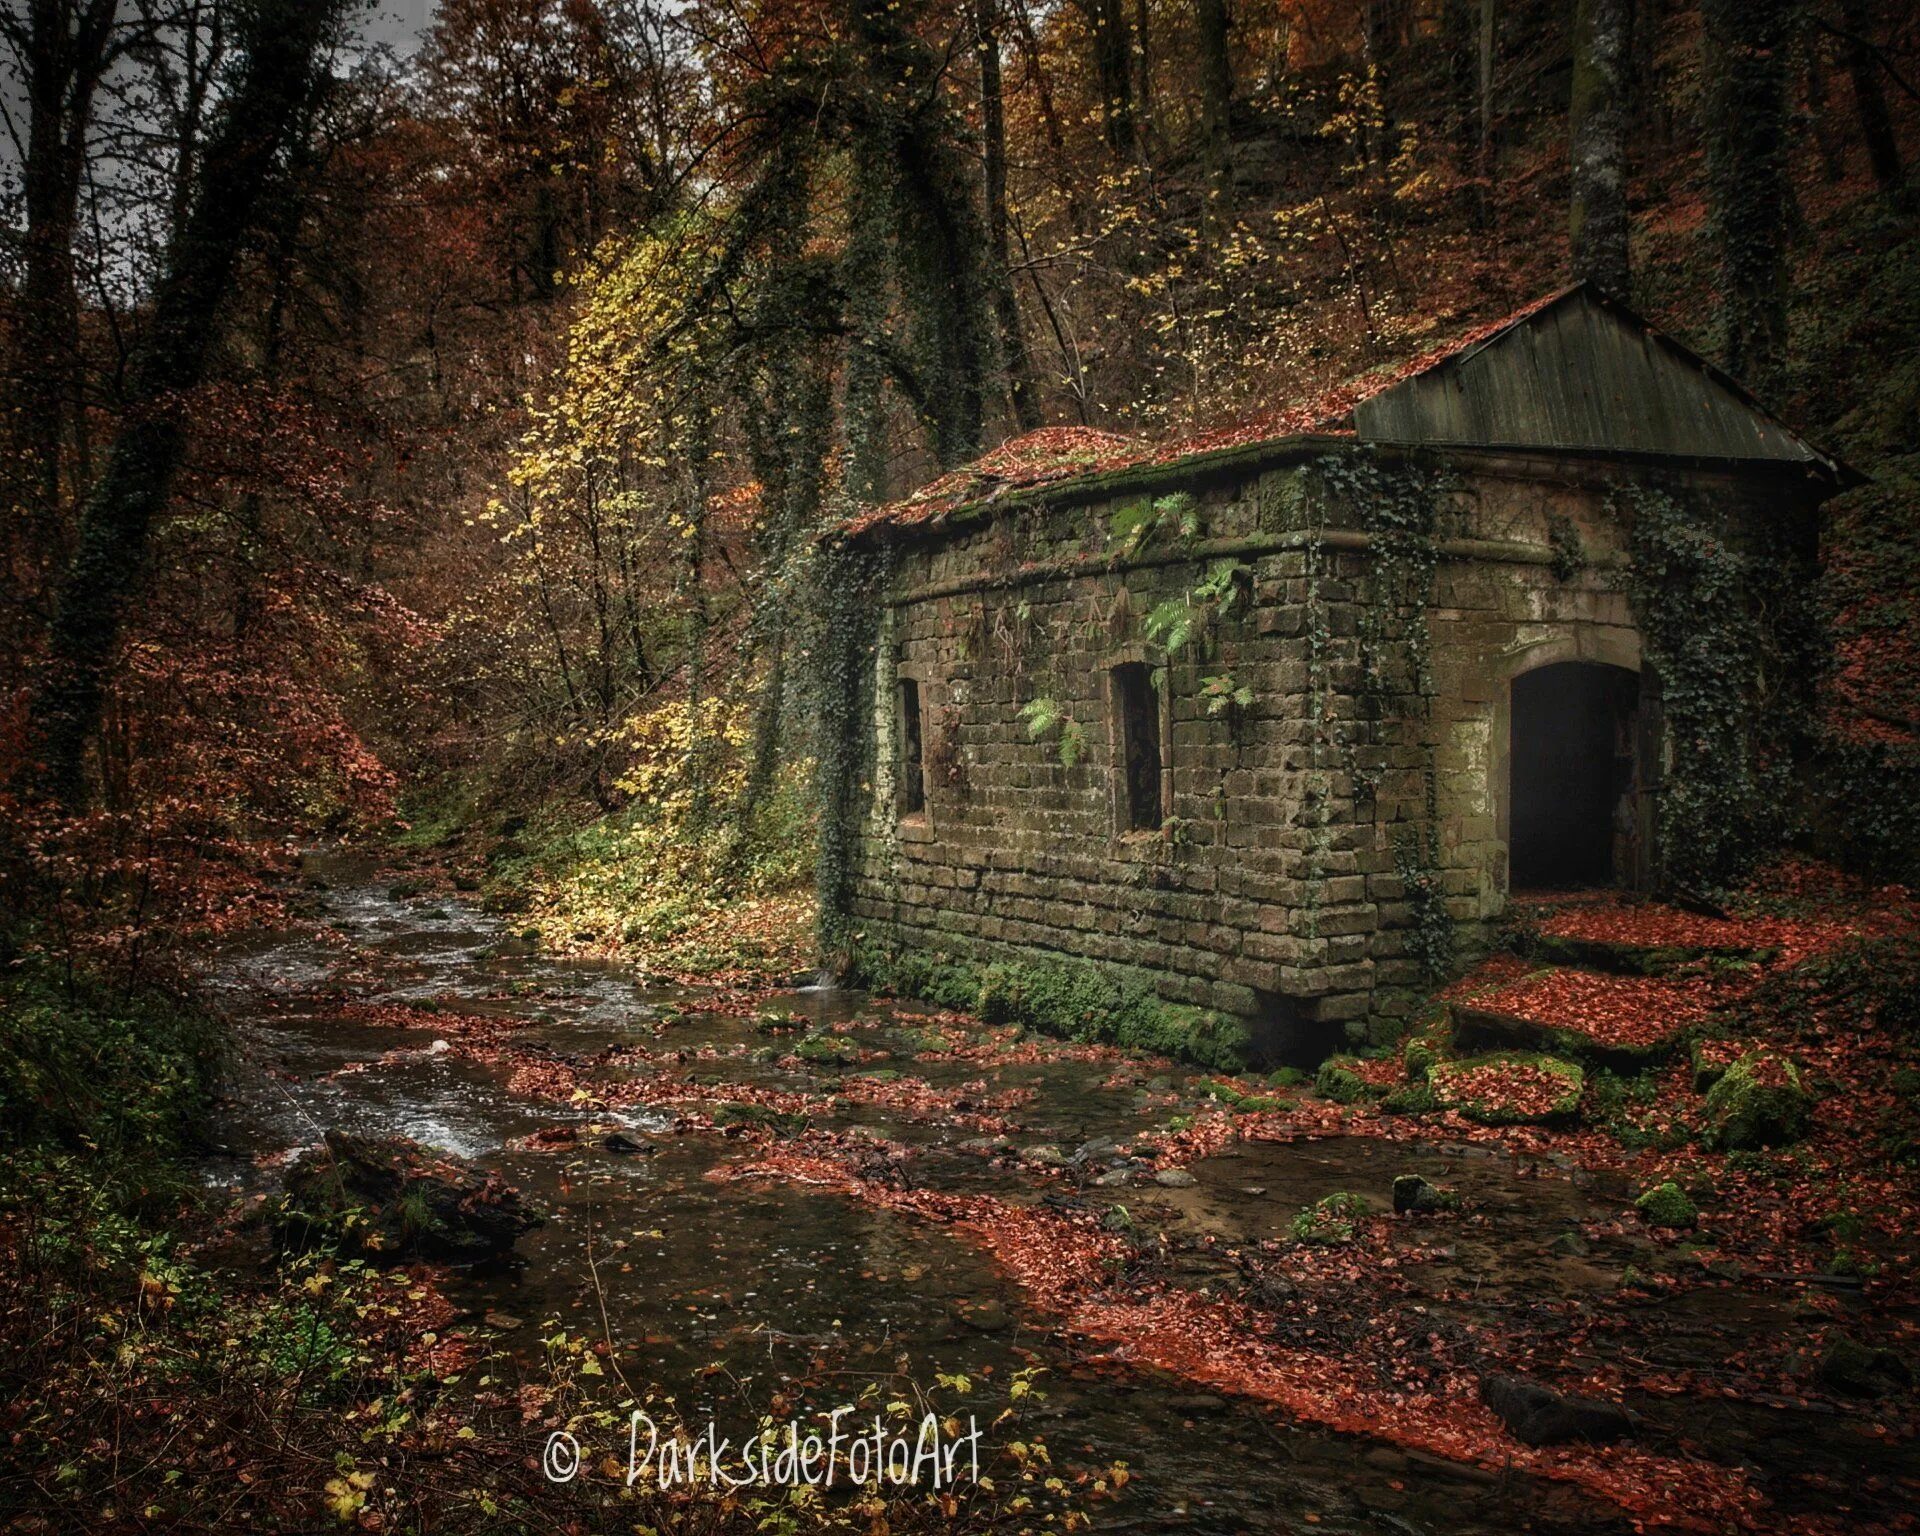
1728 641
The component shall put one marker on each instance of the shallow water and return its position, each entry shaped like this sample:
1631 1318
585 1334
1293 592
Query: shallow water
736 1297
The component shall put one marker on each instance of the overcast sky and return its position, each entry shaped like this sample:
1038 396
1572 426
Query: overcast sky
400 24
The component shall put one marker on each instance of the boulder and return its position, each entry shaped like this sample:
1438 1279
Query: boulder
1538 1415
1847 1365
393 1200
1667 1205
1759 1101
1415 1195
1338 1081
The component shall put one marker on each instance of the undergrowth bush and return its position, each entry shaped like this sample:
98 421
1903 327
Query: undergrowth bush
686 876
86 1067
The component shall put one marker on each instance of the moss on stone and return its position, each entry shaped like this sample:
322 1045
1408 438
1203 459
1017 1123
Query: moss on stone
828 1049
1666 1205
1759 1101
1330 1221
1418 1059
1074 1000
1337 1080
1410 1099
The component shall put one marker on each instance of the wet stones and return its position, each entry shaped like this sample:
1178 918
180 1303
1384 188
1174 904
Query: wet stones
622 1145
393 1201
1413 1195
1174 1178
1850 1367
1538 1415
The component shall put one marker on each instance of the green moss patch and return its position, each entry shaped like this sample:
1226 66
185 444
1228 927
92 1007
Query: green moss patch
1073 1000
1759 1101
1666 1205
1483 1029
1339 1080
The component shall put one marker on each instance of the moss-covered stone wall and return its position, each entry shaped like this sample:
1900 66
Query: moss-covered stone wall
1334 721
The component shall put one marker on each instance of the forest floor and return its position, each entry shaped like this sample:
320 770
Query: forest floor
765 1200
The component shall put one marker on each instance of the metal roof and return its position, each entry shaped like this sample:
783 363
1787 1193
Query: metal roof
1582 373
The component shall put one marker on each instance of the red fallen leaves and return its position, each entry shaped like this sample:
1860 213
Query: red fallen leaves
969 1105
1497 970
1054 454
1516 1087
467 1026
1613 1010
1063 1261
1651 926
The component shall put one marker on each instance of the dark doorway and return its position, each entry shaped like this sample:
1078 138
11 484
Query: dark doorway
1284 1032
1573 812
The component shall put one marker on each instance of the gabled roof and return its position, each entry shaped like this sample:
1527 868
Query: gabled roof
1579 372
1570 372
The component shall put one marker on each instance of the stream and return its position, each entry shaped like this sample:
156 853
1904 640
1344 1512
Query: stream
732 1297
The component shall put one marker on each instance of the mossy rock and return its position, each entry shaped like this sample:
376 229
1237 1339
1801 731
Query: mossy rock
1667 1205
1510 1088
1759 1101
394 1201
828 1050
1707 1063
1417 1060
1288 1077
1330 1221
1410 1099
1337 1080
1479 1029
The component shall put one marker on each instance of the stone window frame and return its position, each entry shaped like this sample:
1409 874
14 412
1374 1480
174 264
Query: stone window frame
1119 818
917 826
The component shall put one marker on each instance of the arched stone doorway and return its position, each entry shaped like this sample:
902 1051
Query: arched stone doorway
1578 760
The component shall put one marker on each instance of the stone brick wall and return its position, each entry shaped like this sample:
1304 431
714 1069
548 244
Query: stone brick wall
1270 892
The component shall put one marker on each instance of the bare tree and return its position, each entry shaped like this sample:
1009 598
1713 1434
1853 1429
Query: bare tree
280 49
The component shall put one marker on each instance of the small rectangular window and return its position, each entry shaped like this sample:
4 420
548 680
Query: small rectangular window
1137 707
913 780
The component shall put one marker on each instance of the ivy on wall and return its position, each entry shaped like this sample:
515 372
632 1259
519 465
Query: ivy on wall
1728 637
1396 504
846 583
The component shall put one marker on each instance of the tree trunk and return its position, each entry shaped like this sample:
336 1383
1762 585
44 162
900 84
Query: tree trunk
1876 127
1484 169
1216 104
1747 44
993 125
63 49
282 44
1833 163
1597 135
1113 68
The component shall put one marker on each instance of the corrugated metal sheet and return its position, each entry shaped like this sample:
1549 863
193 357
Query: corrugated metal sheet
1582 373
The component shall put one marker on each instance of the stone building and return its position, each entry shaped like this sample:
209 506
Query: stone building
1268 719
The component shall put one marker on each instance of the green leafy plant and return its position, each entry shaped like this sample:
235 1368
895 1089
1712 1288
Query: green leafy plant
1044 715
1138 523
1220 694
